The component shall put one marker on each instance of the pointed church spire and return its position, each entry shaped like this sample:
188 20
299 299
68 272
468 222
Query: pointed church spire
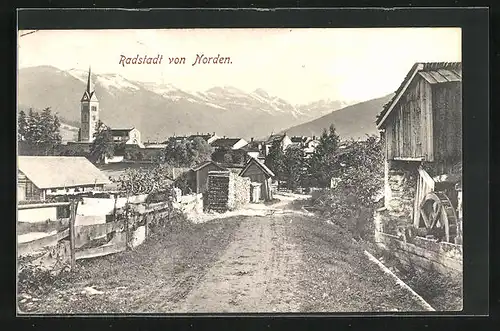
89 88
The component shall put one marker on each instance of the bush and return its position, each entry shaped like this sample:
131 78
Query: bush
36 280
159 197
185 183
144 181
352 202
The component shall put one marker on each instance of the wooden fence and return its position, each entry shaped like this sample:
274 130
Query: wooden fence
85 241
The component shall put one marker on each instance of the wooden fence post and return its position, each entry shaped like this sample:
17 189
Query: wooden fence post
126 222
72 218
114 207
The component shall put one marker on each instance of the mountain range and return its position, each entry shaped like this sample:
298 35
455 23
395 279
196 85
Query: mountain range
355 121
162 110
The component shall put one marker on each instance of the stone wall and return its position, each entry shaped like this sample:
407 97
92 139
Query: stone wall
422 253
400 188
226 191
239 191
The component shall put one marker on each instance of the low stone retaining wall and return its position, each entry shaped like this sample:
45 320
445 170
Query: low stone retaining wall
424 253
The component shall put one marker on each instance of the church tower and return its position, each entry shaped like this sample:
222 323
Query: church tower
89 112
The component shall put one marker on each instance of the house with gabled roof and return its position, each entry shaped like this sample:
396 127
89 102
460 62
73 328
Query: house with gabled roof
229 143
258 172
282 139
208 137
128 136
42 176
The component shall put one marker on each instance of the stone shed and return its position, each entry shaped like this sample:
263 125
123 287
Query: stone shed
226 191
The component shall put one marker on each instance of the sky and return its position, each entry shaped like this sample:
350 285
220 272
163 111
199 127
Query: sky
298 65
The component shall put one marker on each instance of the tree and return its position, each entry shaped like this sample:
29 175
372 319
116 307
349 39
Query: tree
146 180
186 153
228 158
103 146
294 167
352 202
22 125
237 157
323 163
275 160
39 132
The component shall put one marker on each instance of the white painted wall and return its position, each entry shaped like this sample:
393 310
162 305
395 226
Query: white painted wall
286 142
241 143
253 154
90 220
35 215
114 159
105 206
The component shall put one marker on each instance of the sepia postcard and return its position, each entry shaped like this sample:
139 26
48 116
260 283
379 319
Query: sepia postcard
239 170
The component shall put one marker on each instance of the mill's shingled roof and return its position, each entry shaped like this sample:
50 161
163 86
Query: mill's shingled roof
60 171
432 72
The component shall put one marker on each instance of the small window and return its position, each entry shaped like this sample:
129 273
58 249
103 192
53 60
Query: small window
94 108
53 190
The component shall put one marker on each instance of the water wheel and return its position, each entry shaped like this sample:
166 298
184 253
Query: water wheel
439 216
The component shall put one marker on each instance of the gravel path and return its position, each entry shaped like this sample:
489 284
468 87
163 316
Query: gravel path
284 262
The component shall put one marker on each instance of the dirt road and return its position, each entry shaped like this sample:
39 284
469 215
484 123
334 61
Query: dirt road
282 261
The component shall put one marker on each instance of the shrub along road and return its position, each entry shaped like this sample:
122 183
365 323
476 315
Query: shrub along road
281 262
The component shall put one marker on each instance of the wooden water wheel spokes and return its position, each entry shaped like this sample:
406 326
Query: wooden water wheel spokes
439 215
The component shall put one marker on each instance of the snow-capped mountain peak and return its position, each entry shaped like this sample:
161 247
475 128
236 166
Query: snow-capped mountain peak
163 108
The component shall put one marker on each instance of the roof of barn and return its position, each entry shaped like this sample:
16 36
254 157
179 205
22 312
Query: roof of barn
60 171
260 164
432 72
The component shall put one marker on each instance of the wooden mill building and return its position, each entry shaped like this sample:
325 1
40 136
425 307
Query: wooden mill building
423 121
422 130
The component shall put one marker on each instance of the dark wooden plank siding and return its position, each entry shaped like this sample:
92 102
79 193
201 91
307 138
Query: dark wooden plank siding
427 122
202 177
447 117
257 175
253 169
408 127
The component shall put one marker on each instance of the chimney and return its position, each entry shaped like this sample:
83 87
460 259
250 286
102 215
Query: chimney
251 139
